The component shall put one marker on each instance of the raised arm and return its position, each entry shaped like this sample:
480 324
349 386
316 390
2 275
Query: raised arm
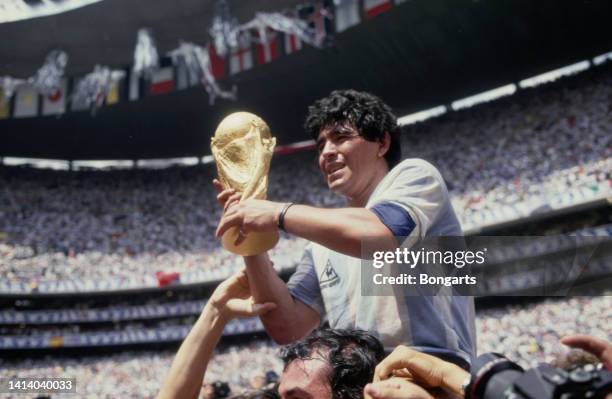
342 230
339 229
292 319
229 300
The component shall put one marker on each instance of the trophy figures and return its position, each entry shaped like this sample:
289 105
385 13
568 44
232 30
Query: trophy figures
242 148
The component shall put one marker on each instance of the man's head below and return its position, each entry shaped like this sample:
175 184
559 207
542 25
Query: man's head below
357 138
330 364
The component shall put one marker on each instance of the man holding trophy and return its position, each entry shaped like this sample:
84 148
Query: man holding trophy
359 156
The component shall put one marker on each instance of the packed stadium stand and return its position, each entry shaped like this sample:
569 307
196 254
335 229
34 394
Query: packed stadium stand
527 334
544 148
79 250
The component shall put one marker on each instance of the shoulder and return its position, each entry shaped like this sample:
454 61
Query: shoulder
415 165
415 171
411 178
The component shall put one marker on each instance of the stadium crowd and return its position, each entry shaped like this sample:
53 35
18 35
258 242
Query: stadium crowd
544 147
539 147
124 224
528 334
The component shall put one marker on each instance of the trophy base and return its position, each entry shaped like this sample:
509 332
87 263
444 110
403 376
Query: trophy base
255 243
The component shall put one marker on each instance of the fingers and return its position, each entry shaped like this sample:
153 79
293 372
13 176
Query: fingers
263 308
427 370
228 221
224 195
245 307
396 389
585 342
432 372
396 360
218 185
231 200
241 237
598 347
403 373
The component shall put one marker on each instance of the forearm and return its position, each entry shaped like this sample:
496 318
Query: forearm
343 230
286 323
187 372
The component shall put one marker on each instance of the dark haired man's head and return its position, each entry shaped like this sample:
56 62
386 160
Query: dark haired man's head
368 114
330 364
216 390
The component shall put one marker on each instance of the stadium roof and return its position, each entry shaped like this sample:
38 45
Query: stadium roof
105 32
419 55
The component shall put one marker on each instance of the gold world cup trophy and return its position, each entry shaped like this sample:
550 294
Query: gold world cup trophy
242 148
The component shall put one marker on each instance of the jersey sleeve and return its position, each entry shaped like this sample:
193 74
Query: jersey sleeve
410 202
395 218
304 284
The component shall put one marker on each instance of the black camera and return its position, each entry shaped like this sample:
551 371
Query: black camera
222 389
495 377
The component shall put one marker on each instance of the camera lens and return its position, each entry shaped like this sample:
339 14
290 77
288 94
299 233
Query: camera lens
580 376
499 383
492 374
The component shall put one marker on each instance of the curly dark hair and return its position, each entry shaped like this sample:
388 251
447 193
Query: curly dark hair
351 355
366 112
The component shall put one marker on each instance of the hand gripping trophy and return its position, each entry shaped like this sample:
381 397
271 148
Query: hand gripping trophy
242 148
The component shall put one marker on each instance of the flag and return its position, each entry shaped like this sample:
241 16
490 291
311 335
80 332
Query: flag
5 106
119 90
114 92
292 43
162 81
375 7
347 14
167 278
185 77
76 104
267 47
217 63
241 58
26 102
134 85
55 103
318 18
182 74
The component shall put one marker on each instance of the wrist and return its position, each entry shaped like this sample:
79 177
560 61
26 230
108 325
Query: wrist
455 379
217 309
256 260
280 218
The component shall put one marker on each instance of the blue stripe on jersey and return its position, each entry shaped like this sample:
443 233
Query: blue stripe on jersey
395 218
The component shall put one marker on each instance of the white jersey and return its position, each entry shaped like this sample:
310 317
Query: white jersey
412 201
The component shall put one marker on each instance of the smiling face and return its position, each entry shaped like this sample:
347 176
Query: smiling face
305 379
351 165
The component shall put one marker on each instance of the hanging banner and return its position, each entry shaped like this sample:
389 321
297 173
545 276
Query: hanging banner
162 81
26 102
5 106
372 8
55 102
241 58
347 14
267 45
